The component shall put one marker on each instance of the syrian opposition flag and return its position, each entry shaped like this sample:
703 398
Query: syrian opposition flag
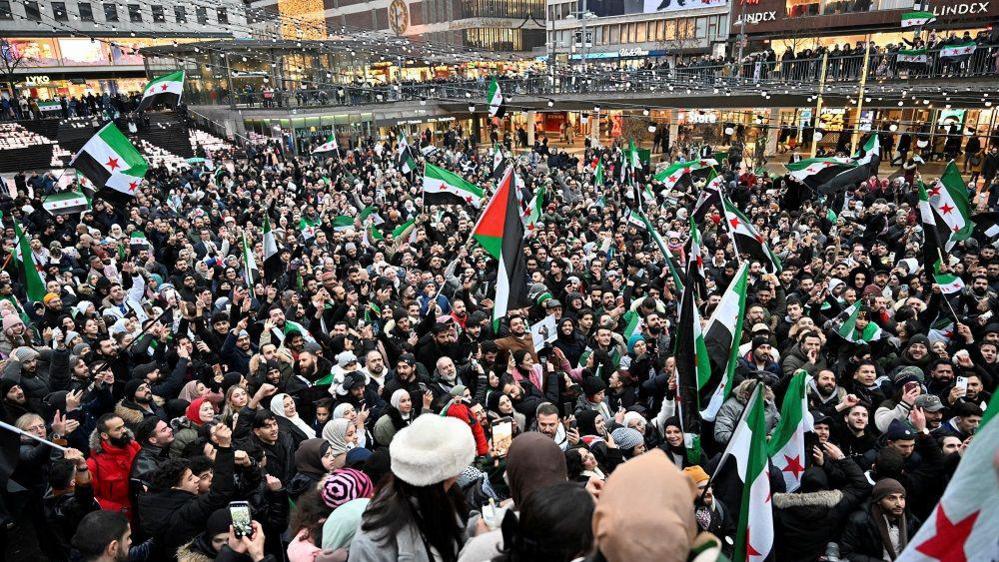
917 19
949 283
747 240
865 164
250 271
500 232
634 160
308 226
598 174
672 174
166 89
913 56
815 172
710 195
635 219
441 187
406 162
695 261
787 445
66 203
109 160
667 255
494 98
949 201
754 538
328 146
965 524
955 53
851 333
721 338
693 371
535 210
340 223
272 259
34 287
497 162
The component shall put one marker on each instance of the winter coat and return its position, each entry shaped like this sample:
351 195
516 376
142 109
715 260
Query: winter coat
407 545
132 415
387 425
173 517
808 521
184 433
730 412
62 516
861 540
109 470
796 359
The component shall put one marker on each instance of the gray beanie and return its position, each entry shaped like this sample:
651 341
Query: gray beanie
627 438
25 354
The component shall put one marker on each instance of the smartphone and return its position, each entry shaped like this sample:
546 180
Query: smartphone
909 386
962 383
240 513
502 437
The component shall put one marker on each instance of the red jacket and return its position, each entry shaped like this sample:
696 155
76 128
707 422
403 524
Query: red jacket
461 411
109 469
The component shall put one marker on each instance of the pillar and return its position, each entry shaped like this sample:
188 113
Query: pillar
674 126
530 127
773 131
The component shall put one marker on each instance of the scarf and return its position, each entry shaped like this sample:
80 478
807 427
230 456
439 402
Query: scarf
335 433
277 406
882 522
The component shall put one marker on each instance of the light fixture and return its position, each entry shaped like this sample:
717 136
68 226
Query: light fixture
584 118
645 112
596 109
471 108
551 103
423 101
652 127
893 127
729 131
818 135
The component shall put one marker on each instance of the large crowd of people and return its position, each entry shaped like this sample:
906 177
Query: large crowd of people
360 403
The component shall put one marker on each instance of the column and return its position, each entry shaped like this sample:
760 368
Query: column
773 131
530 127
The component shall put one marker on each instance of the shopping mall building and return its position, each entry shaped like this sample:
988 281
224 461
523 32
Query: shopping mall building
52 49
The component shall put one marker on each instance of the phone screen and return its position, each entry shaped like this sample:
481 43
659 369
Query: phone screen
502 437
240 513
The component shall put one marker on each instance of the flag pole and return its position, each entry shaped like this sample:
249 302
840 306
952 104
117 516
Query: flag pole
23 433
725 454
943 296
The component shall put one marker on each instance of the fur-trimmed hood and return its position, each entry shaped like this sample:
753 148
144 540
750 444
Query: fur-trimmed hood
97 446
187 554
127 413
824 498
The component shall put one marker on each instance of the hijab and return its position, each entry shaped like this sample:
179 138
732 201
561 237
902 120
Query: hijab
339 528
277 406
645 512
309 457
586 422
341 410
534 461
193 411
396 399
189 392
335 433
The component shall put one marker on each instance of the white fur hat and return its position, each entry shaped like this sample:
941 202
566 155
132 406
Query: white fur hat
431 450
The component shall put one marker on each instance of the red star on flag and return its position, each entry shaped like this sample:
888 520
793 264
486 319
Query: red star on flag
163 87
133 185
934 191
793 466
700 262
735 223
468 200
946 209
956 228
112 163
947 545
750 551
759 238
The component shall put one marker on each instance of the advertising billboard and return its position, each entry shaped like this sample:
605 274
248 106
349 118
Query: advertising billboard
610 8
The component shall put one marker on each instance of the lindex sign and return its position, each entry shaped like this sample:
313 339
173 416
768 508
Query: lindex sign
772 17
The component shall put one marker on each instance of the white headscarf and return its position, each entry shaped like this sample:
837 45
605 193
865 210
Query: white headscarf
277 406
335 433
396 399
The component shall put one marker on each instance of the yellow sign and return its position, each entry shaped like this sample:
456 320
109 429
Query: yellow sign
832 118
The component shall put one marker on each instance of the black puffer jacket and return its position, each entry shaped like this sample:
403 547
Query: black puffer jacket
174 517
808 521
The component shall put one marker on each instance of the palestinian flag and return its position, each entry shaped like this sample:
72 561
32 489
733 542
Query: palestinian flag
855 334
441 187
815 172
501 232
108 159
406 162
787 445
710 195
340 223
956 53
965 524
672 174
494 98
34 287
754 538
866 163
949 283
721 338
308 226
913 56
934 230
328 146
747 240
166 89
250 271
917 19
949 201
273 268
66 203
667 255
693 371
598 174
